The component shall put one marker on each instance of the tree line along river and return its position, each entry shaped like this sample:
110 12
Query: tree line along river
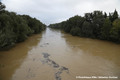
55 55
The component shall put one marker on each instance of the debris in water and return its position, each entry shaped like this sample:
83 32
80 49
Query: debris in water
50 62
45 55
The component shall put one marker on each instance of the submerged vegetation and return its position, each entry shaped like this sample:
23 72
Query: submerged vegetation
16 28
93 25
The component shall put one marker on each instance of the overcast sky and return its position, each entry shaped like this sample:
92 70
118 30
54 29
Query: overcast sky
53 11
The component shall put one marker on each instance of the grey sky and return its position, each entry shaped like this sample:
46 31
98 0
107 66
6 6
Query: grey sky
52 11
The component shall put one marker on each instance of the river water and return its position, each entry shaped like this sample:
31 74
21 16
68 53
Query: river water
55 55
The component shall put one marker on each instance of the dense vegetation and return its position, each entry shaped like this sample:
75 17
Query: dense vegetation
16 28
94 25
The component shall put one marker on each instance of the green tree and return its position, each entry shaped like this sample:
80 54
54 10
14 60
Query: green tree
105 15
93 25
76 31
89 17
7 36
110 17
115 15
115 31
16 28
98 19
87 29
105 30
2 6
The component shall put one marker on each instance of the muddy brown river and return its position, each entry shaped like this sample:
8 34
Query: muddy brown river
55 55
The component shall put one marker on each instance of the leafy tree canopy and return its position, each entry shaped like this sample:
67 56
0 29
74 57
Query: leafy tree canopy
94 25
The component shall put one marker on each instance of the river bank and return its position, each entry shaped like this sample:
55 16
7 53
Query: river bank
57 55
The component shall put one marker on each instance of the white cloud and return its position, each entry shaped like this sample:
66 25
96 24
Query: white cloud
52 11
